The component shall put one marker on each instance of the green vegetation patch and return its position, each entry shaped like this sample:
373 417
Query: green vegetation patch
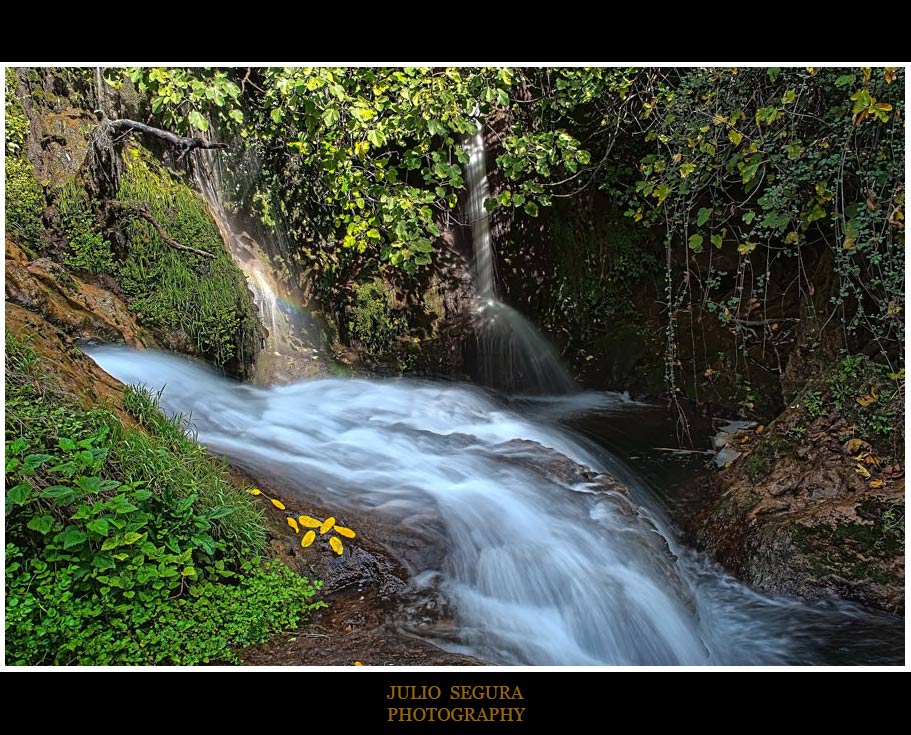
24 195
206 299
128 545
375 321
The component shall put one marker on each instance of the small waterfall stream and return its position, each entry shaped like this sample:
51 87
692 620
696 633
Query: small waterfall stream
512 355
540 569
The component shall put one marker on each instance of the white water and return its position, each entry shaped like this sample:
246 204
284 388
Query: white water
539 571
512 354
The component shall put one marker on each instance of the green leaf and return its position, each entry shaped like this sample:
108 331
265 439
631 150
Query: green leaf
531 209
749 216
502 98
236 115
329 117
205 542
745 248
66 444
277 114
219 512
42 524
11 464
789 97
773 72
748 172
716 241
33 461
686 169
703 216
695 243
19 494
60 494
844 80
197 120
17 446
734 136
99 526
583 157
73 537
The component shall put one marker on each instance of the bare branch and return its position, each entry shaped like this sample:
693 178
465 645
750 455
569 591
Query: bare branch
182 143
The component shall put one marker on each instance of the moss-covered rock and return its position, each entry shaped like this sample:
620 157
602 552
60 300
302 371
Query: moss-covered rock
814 506
24 195
202 303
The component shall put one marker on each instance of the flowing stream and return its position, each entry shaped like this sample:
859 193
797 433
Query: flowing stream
540 569
542 563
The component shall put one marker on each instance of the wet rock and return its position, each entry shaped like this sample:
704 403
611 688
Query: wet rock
800 520
81 310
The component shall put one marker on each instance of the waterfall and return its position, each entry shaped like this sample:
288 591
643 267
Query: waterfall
512 355
292 337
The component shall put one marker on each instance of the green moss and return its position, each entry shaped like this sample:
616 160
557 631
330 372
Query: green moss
17 126
206 299
600 261
24 195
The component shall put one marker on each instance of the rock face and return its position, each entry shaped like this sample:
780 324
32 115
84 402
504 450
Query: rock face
818 516
80 309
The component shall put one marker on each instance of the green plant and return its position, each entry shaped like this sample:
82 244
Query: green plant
813 403
375 322
798 432
127 545
89 251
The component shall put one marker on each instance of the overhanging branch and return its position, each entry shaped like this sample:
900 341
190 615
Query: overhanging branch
182 143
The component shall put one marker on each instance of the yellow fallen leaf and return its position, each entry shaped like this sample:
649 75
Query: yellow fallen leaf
327 524
347 532
255 491
869 458
293 524
358 663
277 503
853 446
309 521
866 400
744 439
876 484
862 471
308 539
760 429
336 545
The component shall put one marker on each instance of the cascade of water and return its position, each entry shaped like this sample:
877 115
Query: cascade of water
289 329
541 569
512 355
